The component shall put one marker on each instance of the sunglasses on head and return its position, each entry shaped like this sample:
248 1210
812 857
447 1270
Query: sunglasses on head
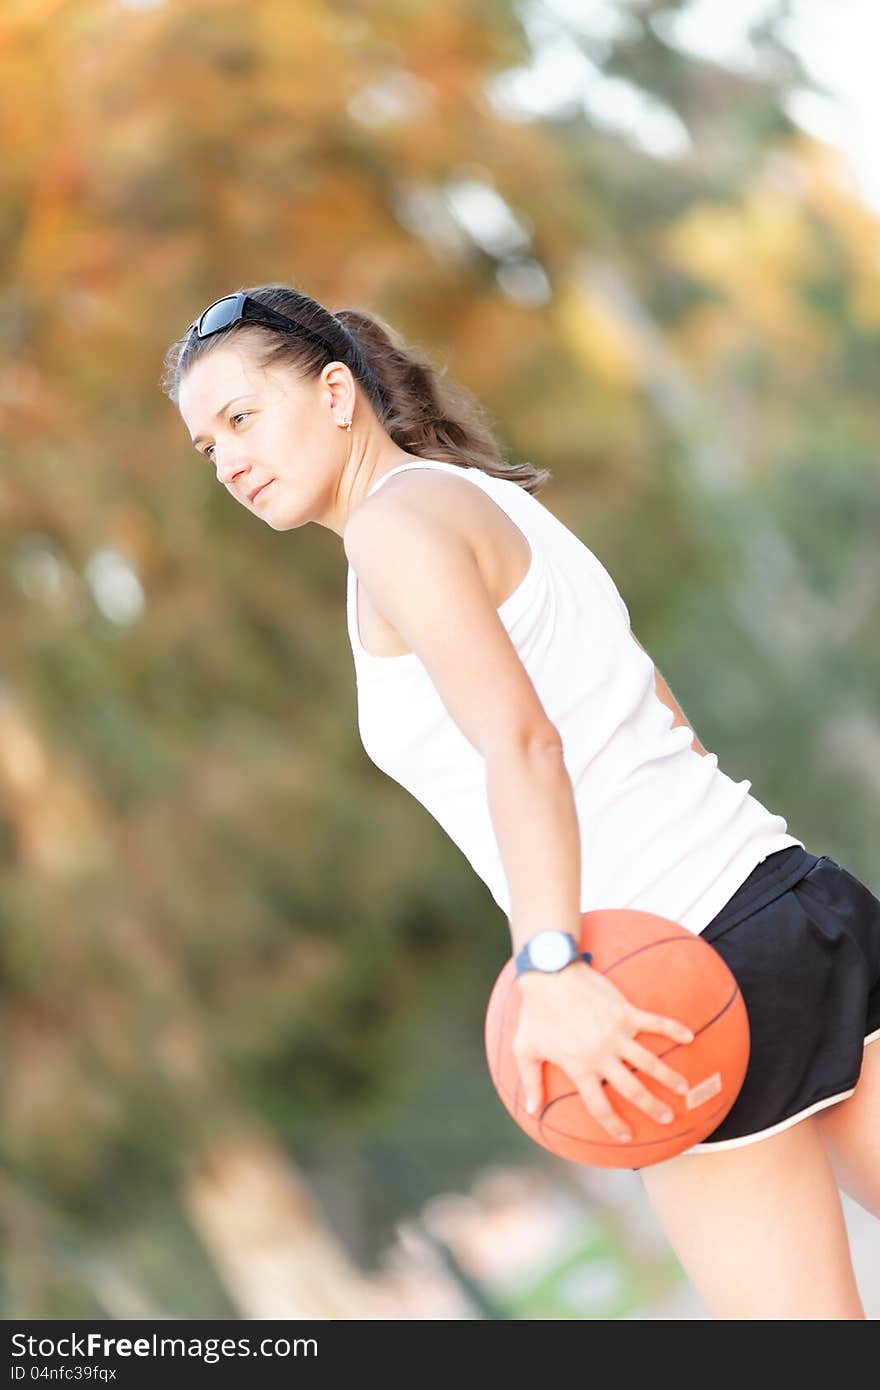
232 308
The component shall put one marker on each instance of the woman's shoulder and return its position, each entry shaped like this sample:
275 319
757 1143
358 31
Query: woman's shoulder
446 501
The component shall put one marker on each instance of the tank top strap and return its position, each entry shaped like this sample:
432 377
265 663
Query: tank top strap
421 463
506 495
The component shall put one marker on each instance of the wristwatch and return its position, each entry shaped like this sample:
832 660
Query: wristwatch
549 951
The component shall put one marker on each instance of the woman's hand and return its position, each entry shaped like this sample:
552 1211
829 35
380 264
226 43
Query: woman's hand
577 1019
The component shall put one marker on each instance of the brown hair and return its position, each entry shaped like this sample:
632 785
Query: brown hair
420 408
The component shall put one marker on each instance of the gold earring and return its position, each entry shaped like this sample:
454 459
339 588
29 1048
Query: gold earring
347 425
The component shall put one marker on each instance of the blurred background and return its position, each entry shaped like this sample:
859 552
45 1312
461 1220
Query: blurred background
244 975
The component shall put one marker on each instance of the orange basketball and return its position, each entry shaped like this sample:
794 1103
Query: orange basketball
665 969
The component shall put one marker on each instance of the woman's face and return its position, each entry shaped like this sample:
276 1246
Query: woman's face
270 430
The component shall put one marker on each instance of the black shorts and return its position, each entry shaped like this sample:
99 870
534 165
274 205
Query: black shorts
802 937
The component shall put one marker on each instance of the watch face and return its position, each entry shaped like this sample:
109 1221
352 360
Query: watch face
550 950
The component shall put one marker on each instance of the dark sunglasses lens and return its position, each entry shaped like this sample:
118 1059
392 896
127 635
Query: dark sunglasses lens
219 315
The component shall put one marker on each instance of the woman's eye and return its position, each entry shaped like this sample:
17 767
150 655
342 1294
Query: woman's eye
242 414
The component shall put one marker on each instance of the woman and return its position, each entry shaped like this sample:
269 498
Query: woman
498 681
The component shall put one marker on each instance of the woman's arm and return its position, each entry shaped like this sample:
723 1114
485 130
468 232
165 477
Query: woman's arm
423 576
535 819
665 695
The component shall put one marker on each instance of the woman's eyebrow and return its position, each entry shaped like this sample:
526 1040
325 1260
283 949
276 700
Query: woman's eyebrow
220 413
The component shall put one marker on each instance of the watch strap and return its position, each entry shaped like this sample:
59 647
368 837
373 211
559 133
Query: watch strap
523 960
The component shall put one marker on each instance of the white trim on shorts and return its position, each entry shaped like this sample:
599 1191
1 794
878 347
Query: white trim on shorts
783 1124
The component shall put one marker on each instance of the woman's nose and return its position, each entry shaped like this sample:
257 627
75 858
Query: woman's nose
229 466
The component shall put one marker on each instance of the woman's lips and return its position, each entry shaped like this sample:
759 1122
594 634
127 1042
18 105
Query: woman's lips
259 492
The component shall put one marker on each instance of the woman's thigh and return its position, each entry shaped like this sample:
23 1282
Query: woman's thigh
850 1131
759 1229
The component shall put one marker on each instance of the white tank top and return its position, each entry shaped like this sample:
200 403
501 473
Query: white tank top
662 828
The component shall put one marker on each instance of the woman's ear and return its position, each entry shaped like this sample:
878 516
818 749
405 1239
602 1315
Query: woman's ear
338 388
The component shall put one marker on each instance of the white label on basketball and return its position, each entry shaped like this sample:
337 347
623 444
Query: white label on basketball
703 1091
